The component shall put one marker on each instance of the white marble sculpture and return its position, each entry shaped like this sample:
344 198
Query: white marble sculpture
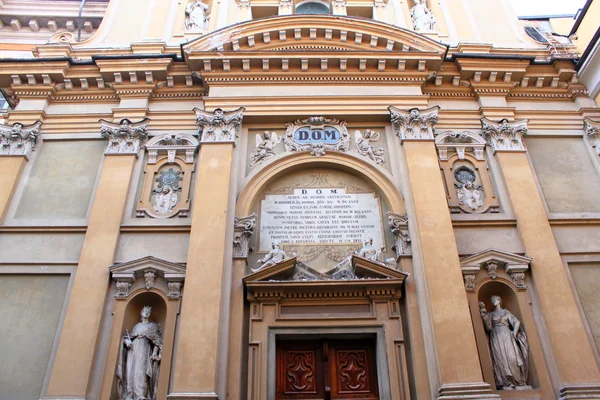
265 143
423 19
364 147
508 345
369 251
139 360
274 256
196 16
470 195
165 200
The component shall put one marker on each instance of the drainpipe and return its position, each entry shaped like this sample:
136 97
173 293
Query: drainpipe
79 26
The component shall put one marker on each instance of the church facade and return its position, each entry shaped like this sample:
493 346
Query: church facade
281 200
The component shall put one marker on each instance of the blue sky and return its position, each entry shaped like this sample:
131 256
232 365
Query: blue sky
546 7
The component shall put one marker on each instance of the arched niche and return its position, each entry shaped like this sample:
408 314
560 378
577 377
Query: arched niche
496 272
335 170
138 283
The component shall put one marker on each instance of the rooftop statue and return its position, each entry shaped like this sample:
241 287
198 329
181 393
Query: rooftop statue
423 19
196 16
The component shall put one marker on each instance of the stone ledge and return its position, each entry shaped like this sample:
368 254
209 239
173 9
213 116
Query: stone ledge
462 391
580 391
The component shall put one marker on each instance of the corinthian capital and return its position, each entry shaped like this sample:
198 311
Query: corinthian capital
414 124
124 137
504 136
18 139
219 125
592 131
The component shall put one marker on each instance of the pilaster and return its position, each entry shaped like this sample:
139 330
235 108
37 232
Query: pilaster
16 144
577 369
70 375
197 359
454 341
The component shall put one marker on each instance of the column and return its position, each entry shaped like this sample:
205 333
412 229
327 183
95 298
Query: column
577 368
74 358
16 143
196 356
454 341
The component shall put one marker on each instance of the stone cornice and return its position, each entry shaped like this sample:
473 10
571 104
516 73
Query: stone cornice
124 137
18 139
414 124
505 135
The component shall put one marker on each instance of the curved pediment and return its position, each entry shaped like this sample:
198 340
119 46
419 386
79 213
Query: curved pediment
313 32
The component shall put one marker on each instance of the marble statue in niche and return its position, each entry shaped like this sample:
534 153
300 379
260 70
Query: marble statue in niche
508 345
423 19
196 16
165 200
139 360
265 143
274 256
468 193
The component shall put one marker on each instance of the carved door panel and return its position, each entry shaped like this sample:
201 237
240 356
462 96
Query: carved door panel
326 370
352 369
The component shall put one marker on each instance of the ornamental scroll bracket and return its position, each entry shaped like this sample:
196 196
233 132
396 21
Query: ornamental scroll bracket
490 264
505 135
144 274
219 126
592 133
414 124
398 224
243 228
124 137
18 139
317 135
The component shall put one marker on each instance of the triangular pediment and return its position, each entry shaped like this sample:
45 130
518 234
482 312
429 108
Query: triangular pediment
355 268
312 41
509 261
136 268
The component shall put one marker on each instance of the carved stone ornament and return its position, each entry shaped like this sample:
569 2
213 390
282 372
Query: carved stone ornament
149 276
196 16
469 281
422 17
492 267
592 132
414 124
124 137
398 224
364 147
243 228
18 139
459 143
174 289
339 3
316 135
504 136
494 264
143 273
265 143
219 126
168 173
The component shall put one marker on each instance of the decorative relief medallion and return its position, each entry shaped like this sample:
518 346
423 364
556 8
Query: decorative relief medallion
414 124
316 135
465 171
592 132
504 136
363 145
149 276
124 137
18 139
219 126
168 172
243 228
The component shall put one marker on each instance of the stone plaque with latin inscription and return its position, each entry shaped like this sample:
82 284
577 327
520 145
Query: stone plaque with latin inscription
322 216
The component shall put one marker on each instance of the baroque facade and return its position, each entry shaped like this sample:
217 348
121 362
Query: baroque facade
263 199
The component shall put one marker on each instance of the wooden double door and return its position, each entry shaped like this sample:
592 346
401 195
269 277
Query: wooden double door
326 369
